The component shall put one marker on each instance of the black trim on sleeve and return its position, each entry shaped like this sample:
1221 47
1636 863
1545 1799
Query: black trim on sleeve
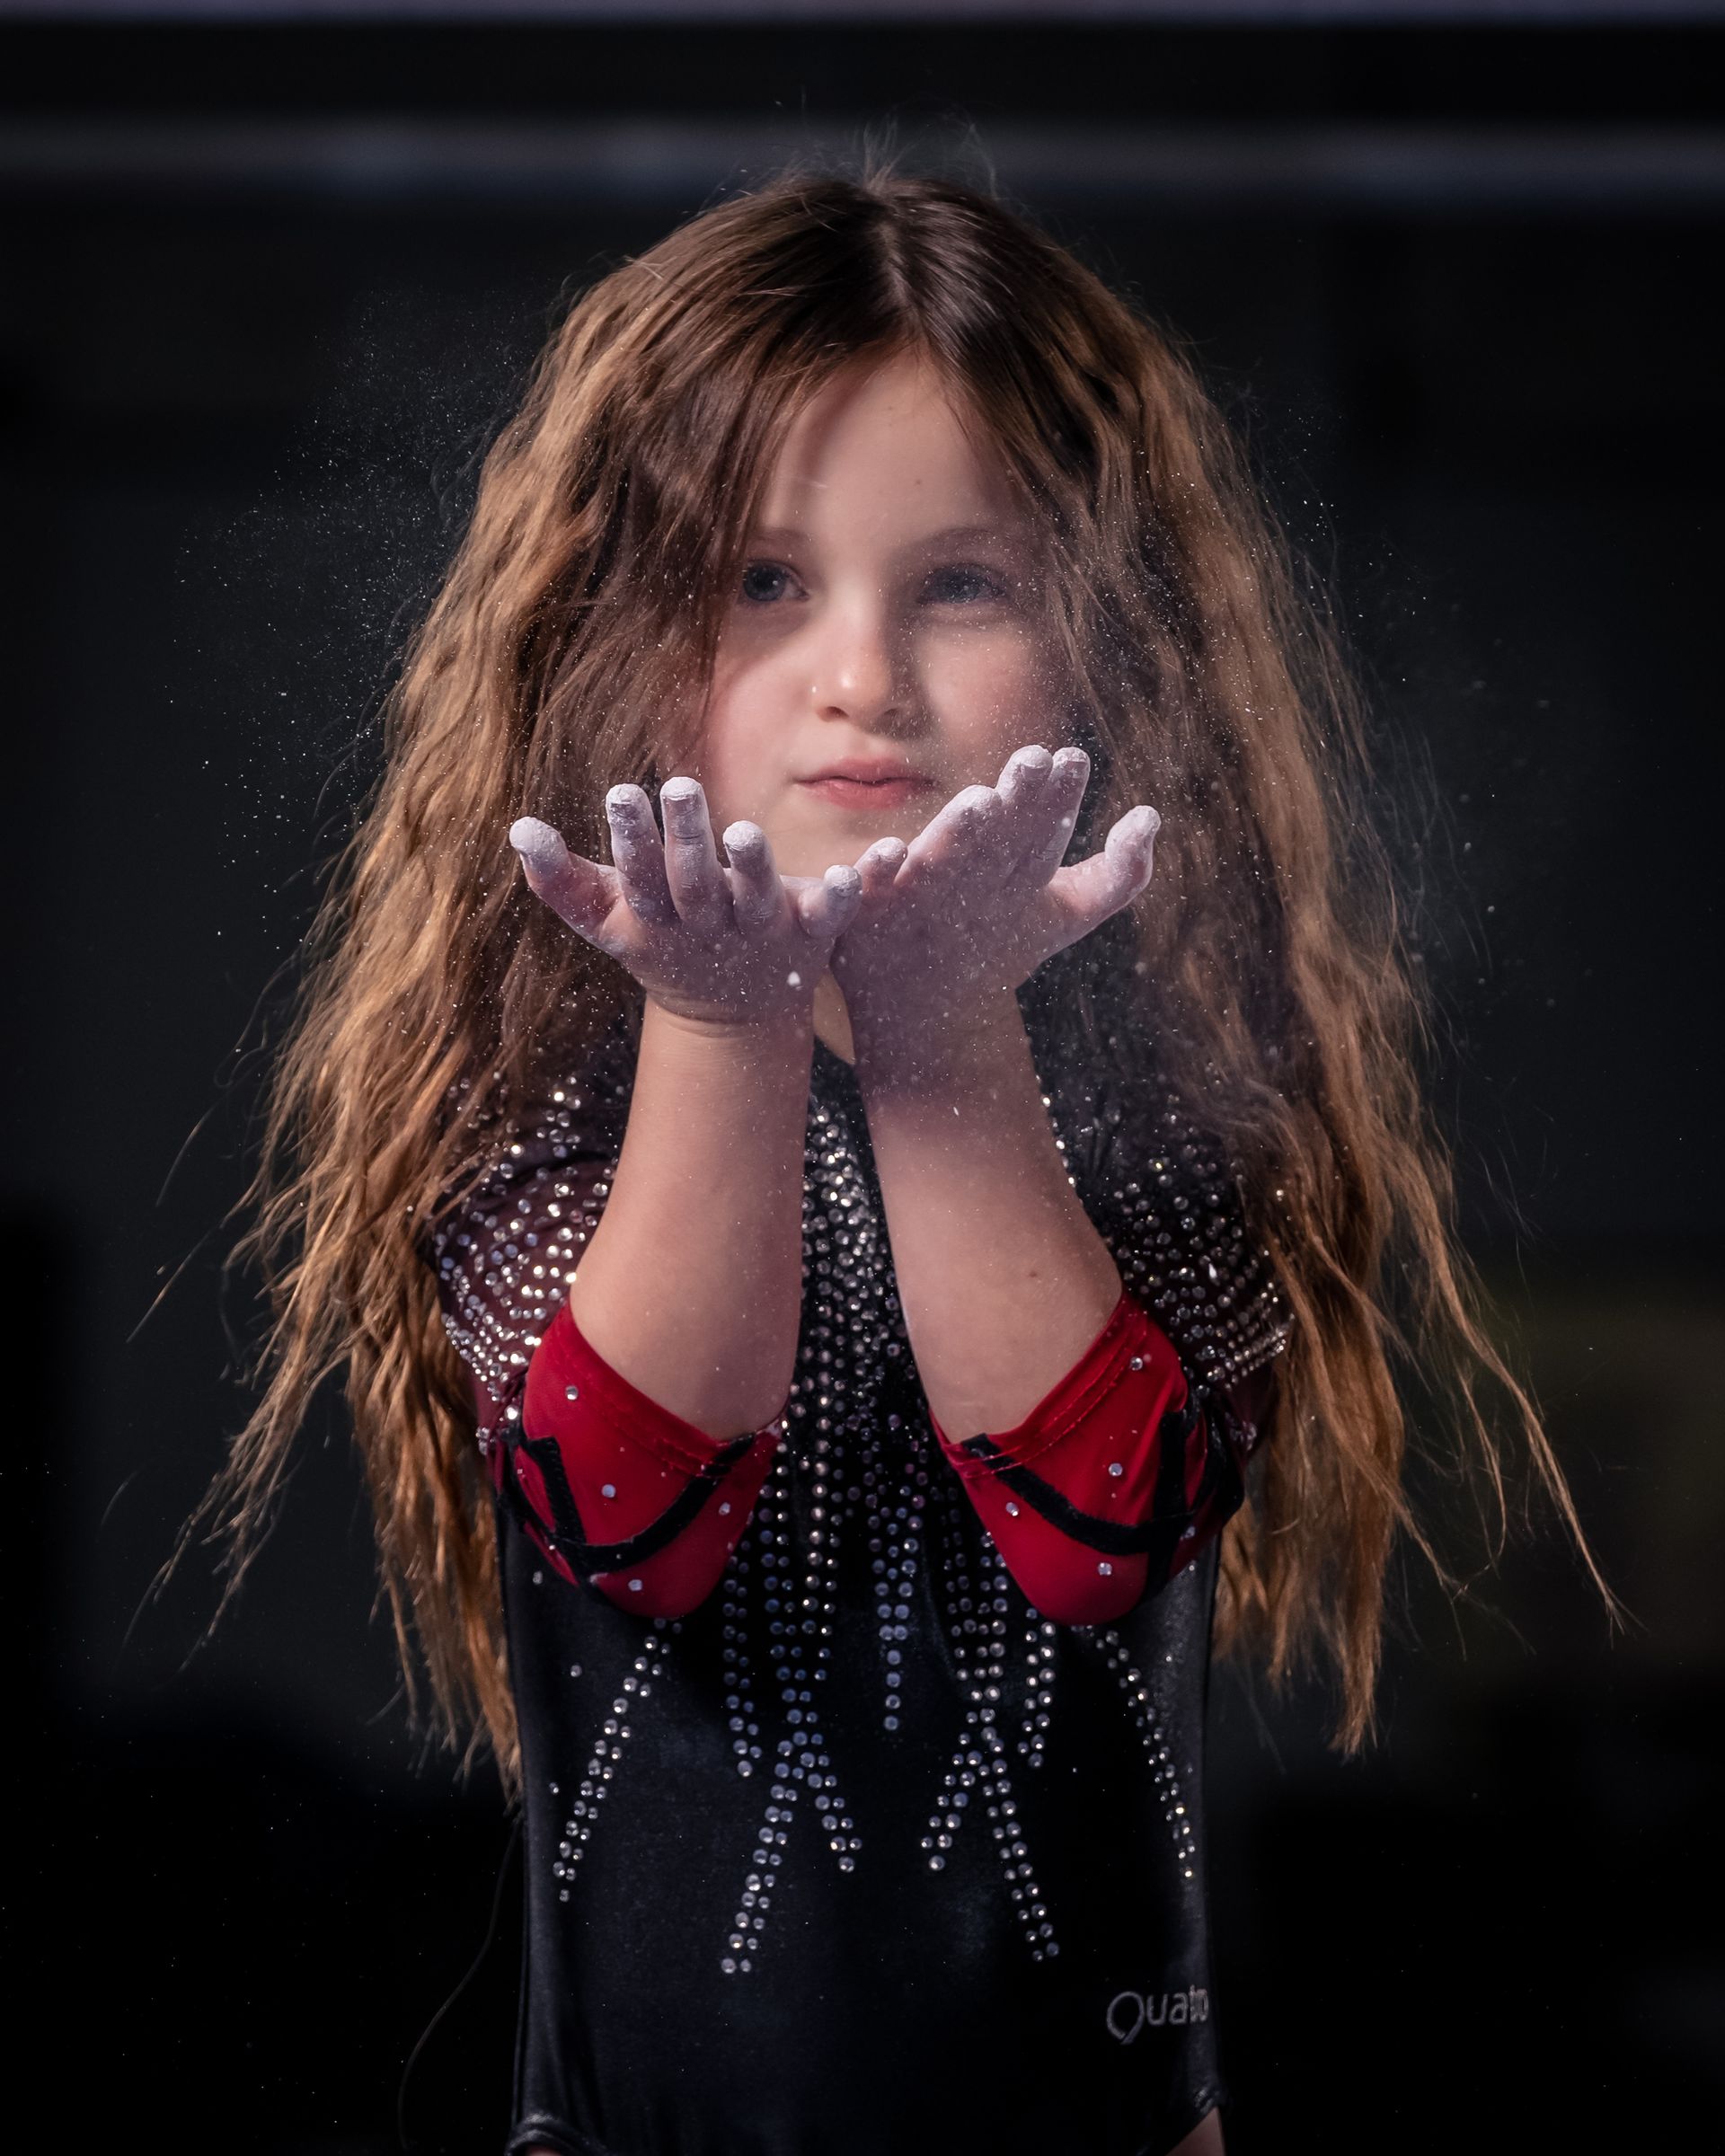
1159 1536
566 1532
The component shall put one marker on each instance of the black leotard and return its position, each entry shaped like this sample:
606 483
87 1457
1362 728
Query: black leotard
864 1854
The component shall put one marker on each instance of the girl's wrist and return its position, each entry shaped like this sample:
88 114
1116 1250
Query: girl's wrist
951 1052
772 1035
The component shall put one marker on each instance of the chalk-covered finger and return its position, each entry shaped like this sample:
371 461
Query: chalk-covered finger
757 895
698 886
878 873
1026 820
640 857
578 891
955 839
826 909
1091 891
1062 798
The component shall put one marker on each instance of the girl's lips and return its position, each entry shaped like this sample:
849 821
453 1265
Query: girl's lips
847 789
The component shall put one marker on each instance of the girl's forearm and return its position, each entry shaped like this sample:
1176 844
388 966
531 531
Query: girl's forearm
692 1285
1005 1281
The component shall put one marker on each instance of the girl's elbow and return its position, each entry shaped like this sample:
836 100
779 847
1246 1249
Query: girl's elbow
1088 1591
634 1589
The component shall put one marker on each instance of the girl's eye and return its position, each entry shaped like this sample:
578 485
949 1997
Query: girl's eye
963 586
762 582
766 582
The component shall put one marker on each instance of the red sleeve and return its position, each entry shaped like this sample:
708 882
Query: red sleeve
1113 1481
621 1494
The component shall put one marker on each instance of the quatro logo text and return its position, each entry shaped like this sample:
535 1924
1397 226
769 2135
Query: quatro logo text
1129 2012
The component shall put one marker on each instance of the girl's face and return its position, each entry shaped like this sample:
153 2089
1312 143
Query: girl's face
884 648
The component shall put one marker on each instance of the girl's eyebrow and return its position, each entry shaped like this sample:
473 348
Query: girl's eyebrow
949 535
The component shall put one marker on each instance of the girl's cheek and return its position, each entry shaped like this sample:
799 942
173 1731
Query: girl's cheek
740 757
986 699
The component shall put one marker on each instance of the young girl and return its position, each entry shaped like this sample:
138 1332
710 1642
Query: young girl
849 1282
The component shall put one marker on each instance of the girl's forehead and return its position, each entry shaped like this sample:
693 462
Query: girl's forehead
890 441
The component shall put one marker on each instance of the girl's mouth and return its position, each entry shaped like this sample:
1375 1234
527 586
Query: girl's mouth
856 785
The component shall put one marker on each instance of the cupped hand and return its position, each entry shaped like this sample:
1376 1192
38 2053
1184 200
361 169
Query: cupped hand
716 943
952 925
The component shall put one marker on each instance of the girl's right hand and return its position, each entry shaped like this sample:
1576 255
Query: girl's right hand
717 945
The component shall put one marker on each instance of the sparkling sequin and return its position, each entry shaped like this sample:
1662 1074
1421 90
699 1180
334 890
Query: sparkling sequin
1142 1707
607 1753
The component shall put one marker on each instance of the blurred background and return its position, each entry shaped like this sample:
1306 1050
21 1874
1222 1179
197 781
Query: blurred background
270 278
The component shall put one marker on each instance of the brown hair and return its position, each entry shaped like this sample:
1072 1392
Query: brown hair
584 603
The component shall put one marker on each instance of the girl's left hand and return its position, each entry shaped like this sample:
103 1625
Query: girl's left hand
950 927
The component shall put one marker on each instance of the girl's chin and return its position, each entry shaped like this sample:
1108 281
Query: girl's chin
822 835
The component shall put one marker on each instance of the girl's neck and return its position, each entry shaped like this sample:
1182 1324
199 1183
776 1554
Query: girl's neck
832 1019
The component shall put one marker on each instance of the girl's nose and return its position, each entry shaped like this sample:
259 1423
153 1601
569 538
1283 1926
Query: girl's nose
859 670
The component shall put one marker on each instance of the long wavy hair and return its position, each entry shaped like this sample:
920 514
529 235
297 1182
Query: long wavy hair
580 617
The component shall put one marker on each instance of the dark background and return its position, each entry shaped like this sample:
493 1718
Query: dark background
265 291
